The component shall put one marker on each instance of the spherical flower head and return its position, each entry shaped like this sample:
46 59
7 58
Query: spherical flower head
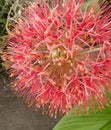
60 55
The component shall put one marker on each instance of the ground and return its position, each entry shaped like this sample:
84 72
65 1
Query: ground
15 115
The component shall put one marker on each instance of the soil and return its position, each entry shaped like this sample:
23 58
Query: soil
15 114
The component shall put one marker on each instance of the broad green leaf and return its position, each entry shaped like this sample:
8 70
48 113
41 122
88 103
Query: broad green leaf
107 126
101 120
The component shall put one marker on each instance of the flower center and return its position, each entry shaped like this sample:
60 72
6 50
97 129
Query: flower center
58 56
62 65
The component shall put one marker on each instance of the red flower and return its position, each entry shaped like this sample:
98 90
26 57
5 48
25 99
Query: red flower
61 56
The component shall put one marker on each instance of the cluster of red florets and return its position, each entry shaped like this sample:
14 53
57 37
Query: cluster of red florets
61 55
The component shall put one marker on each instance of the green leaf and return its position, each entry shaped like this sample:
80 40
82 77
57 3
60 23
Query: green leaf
107 126
101 120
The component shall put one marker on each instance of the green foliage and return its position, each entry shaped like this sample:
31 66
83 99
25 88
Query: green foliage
101 120
4 9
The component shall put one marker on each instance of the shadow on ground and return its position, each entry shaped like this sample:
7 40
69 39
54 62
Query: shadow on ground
15 115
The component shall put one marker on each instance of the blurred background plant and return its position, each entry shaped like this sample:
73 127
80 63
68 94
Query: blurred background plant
4 9
9 10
